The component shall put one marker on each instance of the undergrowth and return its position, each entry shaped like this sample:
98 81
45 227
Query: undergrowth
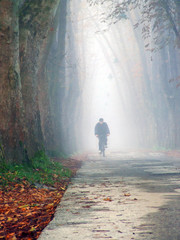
40 169
53 153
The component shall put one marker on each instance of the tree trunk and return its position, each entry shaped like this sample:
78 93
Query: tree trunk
12 132
36 21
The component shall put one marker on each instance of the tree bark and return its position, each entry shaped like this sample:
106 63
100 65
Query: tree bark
36 22
12 131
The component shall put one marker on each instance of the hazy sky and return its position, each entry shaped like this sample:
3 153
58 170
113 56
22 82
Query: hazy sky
111 72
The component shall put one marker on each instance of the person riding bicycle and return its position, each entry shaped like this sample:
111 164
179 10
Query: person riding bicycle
102 131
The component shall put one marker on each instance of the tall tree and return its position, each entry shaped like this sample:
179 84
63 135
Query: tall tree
36 21
24 30
12 127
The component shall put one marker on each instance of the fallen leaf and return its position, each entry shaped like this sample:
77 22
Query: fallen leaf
26 210
127 194
32 229
24 206
11 236
9 219
87 206
107 199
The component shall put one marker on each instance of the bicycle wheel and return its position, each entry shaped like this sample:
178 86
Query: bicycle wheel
103 151
102 145
103 148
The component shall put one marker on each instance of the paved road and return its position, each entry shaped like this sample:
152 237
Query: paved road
124 196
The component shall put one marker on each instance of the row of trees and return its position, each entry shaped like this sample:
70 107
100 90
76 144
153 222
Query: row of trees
32 73
41 86
155 85
158 19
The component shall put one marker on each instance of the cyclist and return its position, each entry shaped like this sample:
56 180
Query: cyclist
102 131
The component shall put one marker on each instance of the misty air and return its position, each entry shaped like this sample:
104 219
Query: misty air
90 119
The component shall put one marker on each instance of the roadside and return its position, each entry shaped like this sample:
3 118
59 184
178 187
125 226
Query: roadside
25 209
128 195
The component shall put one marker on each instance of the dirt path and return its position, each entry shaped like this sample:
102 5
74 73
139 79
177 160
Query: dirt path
124 196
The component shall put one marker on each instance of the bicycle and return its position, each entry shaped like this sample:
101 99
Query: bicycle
102 145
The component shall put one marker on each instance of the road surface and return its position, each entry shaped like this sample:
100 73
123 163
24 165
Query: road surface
127 195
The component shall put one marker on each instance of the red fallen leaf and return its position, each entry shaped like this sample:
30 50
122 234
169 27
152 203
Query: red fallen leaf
86 206
107 199
27 210
11 236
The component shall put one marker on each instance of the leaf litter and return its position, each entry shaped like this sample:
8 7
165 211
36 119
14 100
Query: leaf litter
25 210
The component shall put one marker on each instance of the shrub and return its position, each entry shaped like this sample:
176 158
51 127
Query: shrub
40 170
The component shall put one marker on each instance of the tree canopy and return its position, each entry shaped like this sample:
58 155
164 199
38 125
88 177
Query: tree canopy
158 19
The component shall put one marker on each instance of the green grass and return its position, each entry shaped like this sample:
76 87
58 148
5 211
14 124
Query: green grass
39 170
53 153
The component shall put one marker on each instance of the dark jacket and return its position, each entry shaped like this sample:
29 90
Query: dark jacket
102 129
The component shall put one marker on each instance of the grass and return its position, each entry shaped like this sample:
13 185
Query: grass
53 153
39 170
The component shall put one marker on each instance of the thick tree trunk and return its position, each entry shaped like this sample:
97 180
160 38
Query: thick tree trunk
12 132
23 49
36 21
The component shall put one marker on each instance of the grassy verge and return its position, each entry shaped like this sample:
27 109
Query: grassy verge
39 170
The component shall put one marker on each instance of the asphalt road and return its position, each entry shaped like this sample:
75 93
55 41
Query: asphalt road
127 195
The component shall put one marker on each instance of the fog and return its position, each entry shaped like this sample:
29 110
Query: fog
120 81
105 89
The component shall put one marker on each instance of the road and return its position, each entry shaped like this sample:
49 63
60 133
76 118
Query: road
127 195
